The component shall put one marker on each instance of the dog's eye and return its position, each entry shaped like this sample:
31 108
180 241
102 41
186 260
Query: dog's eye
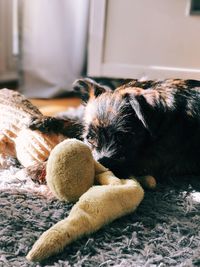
89 137
91 141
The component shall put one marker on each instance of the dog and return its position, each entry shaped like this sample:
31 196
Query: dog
144 127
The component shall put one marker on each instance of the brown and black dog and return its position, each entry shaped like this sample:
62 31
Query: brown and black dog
144 128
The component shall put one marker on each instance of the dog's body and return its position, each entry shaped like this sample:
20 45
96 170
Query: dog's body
144 128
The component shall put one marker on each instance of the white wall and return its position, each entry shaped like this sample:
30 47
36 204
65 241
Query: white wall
153 38
152 32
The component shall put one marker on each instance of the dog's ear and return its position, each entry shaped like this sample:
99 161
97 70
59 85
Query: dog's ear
135 103
87 88
145 108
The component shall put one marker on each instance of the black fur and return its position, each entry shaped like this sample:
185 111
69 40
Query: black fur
155 131
69 127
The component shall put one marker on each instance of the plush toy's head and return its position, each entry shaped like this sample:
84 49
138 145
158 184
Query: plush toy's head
70 170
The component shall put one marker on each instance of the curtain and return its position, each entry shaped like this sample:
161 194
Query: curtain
53 45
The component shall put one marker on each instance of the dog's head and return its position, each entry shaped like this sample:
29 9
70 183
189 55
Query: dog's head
115 126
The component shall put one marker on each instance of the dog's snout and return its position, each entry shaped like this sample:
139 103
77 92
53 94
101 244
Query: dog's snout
106 162
117 166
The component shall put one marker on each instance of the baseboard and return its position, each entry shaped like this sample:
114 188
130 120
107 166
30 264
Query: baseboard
9 80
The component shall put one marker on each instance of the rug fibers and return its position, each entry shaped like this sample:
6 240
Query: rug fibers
164 231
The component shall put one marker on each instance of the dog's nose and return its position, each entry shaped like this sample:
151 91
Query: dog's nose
106 162
117 166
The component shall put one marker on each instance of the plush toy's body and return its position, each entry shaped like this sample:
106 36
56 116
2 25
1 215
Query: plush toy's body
71 171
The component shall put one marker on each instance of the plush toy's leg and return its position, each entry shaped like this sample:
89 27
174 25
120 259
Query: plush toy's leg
95 208
105 177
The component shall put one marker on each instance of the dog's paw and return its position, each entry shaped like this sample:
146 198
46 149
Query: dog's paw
147 181
87 88
45 124
82 88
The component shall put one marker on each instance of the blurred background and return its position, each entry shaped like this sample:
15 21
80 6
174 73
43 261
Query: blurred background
46 44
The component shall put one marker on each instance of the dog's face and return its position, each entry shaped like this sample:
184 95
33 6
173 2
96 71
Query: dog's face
113 131
137 131
119 124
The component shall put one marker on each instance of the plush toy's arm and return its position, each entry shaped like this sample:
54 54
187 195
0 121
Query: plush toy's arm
98 206
105 177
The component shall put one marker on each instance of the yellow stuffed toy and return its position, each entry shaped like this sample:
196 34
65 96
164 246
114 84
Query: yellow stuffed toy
71 173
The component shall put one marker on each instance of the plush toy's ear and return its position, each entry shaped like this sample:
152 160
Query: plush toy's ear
88 88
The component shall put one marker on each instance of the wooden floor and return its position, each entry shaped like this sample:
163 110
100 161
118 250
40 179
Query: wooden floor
52 106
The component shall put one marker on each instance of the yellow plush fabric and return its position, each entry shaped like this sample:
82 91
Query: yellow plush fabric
70 172
95 208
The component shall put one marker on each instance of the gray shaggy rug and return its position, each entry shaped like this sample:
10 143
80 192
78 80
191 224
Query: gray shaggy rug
164 231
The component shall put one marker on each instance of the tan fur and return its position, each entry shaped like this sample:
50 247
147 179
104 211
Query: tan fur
97 207
101 204
70 170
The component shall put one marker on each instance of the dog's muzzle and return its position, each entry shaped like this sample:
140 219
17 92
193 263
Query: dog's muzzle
118 166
